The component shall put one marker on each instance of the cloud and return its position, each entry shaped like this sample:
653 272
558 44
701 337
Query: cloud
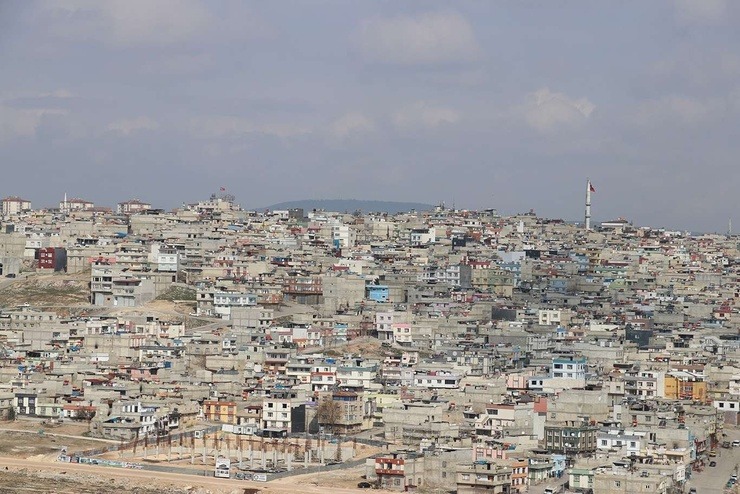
23 122
423 115
431 38
700 11
219 126
545 111
129 126
351 124
124 23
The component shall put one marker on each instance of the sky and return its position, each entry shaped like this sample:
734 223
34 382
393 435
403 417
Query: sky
510 105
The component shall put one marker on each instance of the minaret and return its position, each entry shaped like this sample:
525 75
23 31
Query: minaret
66 208
589 188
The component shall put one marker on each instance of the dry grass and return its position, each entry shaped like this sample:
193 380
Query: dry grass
48 290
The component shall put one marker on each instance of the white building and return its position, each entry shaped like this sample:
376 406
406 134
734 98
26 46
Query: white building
343 236
132 207
422 236
166 258
549 317
437 380
75 204
618 439
13 205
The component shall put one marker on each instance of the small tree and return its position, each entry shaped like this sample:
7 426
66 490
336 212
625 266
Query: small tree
11 413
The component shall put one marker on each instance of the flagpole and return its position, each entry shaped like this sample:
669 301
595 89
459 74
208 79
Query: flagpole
588 204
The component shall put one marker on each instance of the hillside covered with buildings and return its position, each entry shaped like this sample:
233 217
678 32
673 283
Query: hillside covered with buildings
444 350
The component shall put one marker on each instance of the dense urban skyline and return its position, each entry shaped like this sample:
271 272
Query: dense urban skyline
504 105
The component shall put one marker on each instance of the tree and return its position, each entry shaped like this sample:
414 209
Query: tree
329 413
11 413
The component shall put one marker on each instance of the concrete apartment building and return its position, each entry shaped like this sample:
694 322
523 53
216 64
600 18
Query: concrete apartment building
14 206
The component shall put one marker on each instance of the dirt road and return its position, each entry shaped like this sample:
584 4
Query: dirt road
144 478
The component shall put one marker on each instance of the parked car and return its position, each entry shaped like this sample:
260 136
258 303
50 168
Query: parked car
735 443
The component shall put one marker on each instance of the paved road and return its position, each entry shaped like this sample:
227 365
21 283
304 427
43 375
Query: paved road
713 479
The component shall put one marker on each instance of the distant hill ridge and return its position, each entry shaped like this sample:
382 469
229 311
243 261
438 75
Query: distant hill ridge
351 205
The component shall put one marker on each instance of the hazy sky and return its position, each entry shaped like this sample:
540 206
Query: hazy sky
505 104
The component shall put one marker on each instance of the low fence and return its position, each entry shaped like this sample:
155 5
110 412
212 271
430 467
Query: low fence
98 461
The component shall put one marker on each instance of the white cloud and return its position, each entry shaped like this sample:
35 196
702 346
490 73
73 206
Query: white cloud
18 123
546 111
430 38
423 115
127 22
351 124
700 11
218 126
129 126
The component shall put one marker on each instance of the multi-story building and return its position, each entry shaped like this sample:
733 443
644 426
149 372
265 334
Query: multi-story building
646 384
68 206
571 439
342 412
52 258
219 302
221 411
568 367
437 380
399 471
683 385
13 206
133 206
484 477
284 409
112 287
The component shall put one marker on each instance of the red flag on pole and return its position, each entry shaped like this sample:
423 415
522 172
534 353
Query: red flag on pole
591 187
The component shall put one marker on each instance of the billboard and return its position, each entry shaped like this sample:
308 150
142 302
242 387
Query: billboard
223 467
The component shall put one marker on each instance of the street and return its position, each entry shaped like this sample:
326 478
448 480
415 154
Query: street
713 479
